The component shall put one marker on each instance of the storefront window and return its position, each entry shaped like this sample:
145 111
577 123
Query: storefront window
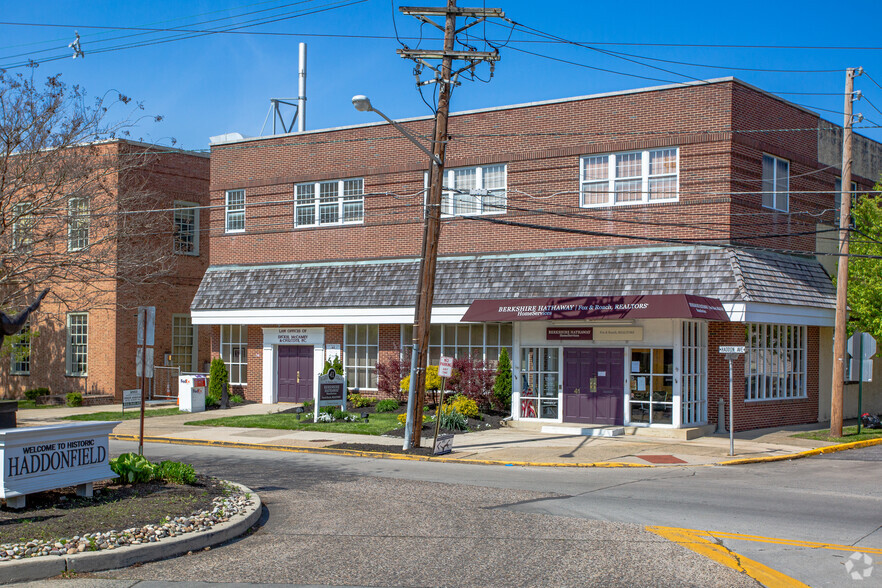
652 386
540 376
481 342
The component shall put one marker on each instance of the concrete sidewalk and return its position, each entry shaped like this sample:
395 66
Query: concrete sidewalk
505 445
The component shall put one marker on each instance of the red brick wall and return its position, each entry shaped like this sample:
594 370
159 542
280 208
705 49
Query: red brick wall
763 413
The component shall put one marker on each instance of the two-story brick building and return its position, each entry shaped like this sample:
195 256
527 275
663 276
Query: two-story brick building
611 243
136 238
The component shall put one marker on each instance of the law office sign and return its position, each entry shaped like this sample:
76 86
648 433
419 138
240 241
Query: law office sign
331 391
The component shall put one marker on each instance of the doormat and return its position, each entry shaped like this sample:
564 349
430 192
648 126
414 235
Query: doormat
661 459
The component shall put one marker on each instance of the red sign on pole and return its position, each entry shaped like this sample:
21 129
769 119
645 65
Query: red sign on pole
445 370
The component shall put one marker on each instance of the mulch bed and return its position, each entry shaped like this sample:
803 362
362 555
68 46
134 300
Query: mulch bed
61 513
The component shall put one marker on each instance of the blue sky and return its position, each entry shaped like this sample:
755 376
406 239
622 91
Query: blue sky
218 83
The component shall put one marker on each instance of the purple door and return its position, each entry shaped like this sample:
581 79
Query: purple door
593 386
295 373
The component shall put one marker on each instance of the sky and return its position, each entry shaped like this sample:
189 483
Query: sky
218 71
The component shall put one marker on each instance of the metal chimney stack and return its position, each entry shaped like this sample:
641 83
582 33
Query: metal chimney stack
301 97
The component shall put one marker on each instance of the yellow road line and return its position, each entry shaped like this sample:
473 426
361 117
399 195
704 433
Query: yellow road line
762 573
793 542
807 453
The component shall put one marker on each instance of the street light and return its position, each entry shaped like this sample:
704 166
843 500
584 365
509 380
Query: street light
422 315
363 104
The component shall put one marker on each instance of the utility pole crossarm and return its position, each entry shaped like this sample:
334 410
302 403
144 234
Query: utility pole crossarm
455 10
434 54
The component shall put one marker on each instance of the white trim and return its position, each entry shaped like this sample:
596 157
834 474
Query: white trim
324 316
197 210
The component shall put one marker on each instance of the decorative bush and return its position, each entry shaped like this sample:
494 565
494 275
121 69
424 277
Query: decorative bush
34 393
402 418
502 382
387 405
453 420
336 364
236 399
175 472
132 468
464 406
308 405
389 375
74 399
218 377
359 401
472 378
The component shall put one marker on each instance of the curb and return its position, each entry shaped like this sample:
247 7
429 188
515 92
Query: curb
40 568
374 454
807 453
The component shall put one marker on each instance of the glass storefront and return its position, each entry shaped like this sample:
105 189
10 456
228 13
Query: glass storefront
540 376
652 386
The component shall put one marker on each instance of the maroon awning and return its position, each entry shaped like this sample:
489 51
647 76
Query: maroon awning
596 308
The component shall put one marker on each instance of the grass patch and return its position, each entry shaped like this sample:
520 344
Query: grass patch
117 415
33 404
378 424
849 435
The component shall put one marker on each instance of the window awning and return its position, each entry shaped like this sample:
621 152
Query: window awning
597 308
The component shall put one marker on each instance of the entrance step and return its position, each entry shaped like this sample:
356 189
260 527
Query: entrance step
598 431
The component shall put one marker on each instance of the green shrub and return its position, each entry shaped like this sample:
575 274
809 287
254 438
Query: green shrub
453 420
464 406
336 364
33 393
402 418
74 399
502 382
387 405
308 405
433 381
236 399
132 468
175 472
218 377
359 401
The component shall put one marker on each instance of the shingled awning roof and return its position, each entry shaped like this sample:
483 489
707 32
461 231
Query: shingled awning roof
727 274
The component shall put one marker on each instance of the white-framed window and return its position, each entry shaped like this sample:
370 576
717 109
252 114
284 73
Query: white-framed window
472 191
77 224
633 177
234 211
361 348
184 343
652 386
694 370
334 202
77 344
776 183
776 362
479 341
21 351
234 345
540 379
186 228
23 222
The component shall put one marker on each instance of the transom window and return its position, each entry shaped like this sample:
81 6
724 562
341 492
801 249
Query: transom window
186 228
775 364
234 344
335 202
77 344
361 351
474 190
776 183
234 212
78 224
630 178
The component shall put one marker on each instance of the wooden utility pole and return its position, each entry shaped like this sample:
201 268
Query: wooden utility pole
432 226
839 330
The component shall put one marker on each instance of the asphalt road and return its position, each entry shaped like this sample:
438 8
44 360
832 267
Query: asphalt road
352 521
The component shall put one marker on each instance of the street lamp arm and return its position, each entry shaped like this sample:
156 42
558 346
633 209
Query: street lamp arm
362 103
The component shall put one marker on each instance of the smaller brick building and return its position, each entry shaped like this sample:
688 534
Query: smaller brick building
83 337
611 243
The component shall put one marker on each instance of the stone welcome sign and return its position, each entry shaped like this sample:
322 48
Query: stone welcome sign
35 459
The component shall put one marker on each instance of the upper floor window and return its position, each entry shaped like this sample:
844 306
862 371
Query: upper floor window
630 178
78 224
329 203
234 213
186 228
474 190
776 183
22 227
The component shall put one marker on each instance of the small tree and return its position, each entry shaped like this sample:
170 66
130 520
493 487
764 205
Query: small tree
865 273
389 375
218 379
502 383
335 363
472 378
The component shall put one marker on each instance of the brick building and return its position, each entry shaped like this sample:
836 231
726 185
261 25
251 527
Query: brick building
83 337
610 242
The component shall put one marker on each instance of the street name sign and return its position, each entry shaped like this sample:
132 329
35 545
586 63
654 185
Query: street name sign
731 349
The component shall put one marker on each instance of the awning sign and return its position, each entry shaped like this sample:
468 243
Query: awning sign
597 308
